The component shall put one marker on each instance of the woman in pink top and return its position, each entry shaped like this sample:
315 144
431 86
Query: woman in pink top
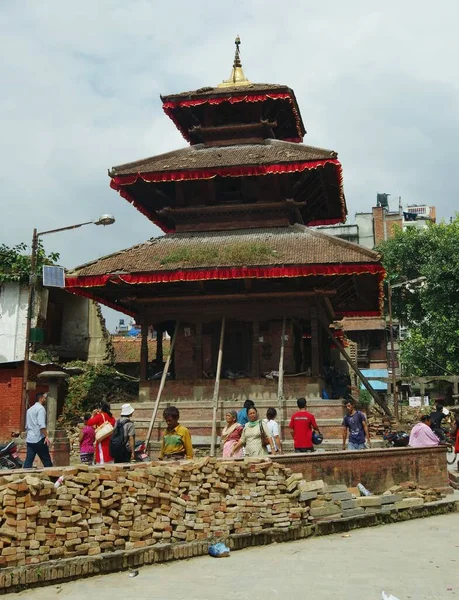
422 435
87 440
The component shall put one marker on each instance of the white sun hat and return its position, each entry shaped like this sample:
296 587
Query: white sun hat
126 410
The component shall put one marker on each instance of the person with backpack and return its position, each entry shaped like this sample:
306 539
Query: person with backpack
355 422
122 442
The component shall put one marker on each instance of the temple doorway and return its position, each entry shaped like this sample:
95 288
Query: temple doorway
236 348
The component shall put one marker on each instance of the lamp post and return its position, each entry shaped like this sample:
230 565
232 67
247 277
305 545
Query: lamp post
102 220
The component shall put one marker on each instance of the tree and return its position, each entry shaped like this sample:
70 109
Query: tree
15 263
429 309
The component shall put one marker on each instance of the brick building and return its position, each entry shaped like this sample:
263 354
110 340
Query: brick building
11 378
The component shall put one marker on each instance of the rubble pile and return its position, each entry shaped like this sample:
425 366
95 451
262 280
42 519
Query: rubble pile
102 510
337 501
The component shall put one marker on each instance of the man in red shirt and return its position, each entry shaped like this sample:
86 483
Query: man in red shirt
302 424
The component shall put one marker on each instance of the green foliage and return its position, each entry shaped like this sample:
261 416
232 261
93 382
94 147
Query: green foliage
233 254
96 383
43 356
430 311
365 398
15 264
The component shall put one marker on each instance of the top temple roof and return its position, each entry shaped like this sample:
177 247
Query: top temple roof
214 107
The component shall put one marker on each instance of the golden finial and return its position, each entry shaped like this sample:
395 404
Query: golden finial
237 76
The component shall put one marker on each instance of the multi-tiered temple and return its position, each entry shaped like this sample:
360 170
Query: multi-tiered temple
236 207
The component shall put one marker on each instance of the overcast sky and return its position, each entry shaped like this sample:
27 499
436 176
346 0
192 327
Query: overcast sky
375 81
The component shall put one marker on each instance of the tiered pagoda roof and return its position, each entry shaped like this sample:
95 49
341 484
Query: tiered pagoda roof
193 264
235 206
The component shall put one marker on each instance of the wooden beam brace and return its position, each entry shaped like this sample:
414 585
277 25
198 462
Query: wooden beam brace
232 297
354 366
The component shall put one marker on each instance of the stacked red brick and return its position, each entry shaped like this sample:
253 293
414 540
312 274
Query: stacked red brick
96 511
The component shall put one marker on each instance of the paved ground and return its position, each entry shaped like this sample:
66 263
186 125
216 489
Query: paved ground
415 560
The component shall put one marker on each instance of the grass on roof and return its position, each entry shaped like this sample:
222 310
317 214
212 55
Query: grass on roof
233 254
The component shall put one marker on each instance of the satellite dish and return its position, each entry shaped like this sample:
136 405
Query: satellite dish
53 276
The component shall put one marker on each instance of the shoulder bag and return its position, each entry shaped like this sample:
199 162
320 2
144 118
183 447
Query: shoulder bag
104 430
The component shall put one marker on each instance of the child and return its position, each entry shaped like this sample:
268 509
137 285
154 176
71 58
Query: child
87 439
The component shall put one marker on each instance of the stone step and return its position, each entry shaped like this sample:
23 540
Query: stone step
330 428
197 410
454 479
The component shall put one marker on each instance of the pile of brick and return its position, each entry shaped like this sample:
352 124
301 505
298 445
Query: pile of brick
102 510
337 501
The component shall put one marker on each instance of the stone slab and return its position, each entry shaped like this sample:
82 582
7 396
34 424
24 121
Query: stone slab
311 486
347 504
391 498
409 503
368 501
334 489
305 496
325 511
353 512
341 496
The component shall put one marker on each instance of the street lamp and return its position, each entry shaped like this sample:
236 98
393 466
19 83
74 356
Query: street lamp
102 220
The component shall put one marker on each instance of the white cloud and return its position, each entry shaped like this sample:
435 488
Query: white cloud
81 82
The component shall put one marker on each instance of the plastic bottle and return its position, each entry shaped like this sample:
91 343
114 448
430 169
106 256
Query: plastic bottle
363 490
59 482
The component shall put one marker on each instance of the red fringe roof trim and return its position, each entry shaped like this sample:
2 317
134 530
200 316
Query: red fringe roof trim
224 273
169 108
118 183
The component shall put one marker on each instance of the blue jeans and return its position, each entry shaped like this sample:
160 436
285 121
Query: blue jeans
354 446
42 450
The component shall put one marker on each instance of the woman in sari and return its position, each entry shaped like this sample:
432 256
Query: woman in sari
254 437
231 434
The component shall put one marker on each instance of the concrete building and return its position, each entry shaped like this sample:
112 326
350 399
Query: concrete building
372 228
70 327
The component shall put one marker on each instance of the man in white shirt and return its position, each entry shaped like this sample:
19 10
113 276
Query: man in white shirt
37 435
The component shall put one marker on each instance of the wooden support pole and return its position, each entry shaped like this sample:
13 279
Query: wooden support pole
217 389
354 366
315 366
280 384
161 386
198 366
143 351
159 345
255 349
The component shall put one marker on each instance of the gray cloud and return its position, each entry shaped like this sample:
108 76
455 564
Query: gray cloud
81 81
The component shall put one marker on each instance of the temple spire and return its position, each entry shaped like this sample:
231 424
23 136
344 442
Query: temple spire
237 76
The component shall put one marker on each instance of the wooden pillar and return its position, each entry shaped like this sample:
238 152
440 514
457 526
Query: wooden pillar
280 383
144 351
455 390
198 366
162 383
217 389
159 345
255 349
320 341
315 365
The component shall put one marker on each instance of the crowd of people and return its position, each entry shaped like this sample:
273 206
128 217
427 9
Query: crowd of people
105 440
